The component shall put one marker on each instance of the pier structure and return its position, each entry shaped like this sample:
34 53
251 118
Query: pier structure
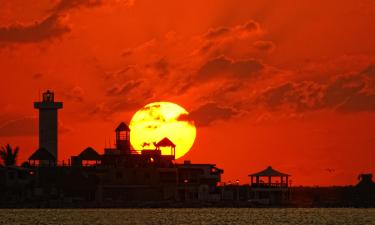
269 186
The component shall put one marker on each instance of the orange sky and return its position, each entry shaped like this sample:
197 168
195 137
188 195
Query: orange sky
284 83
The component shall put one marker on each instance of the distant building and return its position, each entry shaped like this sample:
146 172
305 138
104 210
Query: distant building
364 191
269 186
198 182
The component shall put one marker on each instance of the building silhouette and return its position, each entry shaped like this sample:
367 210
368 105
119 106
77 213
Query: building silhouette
274 189
267 187
122 176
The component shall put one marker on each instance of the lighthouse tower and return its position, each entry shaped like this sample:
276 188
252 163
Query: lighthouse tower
48 123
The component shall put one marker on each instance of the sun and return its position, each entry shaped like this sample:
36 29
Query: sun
158 120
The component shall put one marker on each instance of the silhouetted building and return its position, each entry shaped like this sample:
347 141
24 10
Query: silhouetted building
365 191
269 186
42 156
365 181
48 122
121 174
198 182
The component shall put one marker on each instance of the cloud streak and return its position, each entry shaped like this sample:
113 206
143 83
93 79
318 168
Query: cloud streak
26 126
208 114
66 5
344 93
51 27
224 67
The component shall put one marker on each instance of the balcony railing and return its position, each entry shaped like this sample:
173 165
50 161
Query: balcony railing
269 185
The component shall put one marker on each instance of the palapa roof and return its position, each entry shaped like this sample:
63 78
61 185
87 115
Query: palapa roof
165 142
269 172
122 127
89 154
42 154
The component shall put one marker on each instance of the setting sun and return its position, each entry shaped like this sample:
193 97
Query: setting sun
158 120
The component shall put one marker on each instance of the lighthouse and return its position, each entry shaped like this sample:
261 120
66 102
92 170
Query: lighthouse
48 122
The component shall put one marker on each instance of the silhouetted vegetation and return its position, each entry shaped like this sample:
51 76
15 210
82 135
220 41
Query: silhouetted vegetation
9 155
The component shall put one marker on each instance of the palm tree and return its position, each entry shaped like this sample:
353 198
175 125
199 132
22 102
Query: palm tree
9 155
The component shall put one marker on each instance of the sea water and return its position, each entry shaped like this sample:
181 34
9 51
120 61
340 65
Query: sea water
299 216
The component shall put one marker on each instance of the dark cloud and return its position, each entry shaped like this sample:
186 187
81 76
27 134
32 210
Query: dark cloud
207 114
37 76
26 126
358 103
217 32
223 40
356 91
265 46
119 74
224 67
49 28
126 105
360 94
345 93
369 71
296 96
127 52
233 71
341 89
74 94
240 31
274 97
206 47
123 89
106 109
66 5
250 26
162 66
228 93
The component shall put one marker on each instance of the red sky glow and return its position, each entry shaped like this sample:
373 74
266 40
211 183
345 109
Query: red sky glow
284 83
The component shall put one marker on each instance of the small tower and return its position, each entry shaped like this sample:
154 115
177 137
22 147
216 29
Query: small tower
165 142
123 138
48 122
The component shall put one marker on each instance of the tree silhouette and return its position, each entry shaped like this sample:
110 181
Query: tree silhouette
9 155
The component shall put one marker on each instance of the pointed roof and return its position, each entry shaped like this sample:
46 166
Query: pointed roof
89 154
165 142
269 172
42 154
122 127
